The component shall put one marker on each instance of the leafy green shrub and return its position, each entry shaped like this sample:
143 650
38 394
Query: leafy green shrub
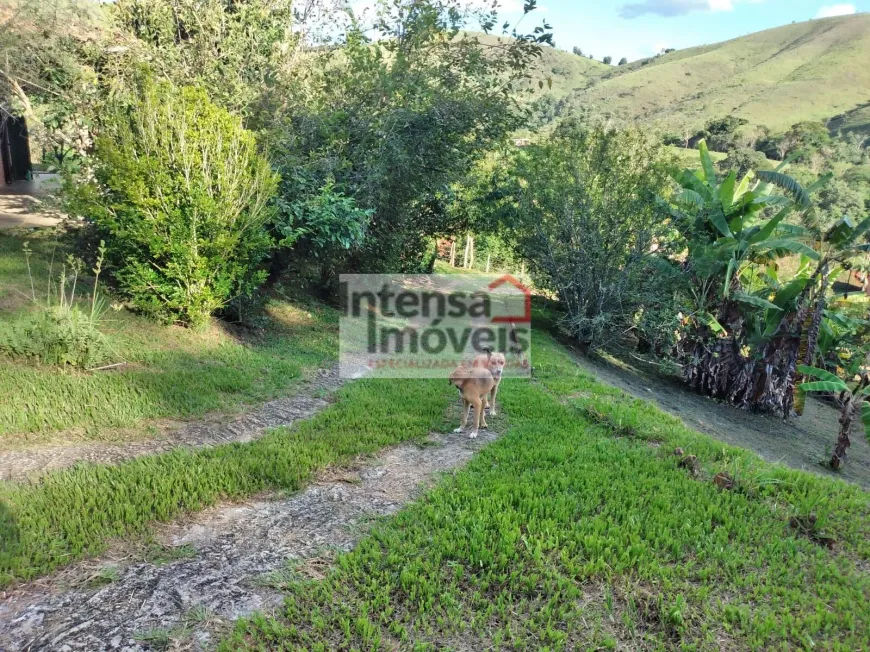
743 159
180 196
56 336
320 225
580 208
59 332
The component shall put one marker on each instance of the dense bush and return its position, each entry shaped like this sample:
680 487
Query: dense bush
316 230
581 209
742 160
180 196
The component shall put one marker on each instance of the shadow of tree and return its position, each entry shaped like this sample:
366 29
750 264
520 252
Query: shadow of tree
9 537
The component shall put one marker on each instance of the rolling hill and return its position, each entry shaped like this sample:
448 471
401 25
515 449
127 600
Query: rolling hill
815 70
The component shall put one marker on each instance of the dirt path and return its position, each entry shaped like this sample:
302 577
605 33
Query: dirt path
22 205
17 464
238 554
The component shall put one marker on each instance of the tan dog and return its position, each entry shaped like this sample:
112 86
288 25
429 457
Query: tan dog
495 363
473 383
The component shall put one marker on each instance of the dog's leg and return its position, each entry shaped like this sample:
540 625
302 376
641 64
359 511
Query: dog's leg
478 412
493 393
465 407
483 413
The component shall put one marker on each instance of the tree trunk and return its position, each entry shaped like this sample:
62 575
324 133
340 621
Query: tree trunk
453 252
488 260
467 251
846 417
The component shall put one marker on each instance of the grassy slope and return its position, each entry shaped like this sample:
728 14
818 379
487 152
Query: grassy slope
805 71
580 530
172 372
567 71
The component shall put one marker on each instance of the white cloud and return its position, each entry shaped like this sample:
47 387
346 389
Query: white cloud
720 5
670 8
835 10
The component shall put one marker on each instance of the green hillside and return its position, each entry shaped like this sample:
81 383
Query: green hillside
816 70
566 72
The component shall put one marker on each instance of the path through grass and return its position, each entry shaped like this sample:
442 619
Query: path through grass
581 529
73 513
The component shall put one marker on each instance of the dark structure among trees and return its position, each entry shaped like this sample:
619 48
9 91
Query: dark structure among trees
14 149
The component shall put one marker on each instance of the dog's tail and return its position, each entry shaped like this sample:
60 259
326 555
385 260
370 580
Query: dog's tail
515 346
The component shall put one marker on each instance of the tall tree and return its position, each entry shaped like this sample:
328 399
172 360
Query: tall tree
580 209
44 76
394 121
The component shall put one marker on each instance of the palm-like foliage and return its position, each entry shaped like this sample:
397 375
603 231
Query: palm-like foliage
749 329
853 402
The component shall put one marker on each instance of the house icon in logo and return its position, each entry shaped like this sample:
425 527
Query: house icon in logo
522 296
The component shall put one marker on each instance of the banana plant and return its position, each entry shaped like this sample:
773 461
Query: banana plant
735 231
724 226
853 403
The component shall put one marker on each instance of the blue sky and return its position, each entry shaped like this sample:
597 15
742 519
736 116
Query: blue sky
639 28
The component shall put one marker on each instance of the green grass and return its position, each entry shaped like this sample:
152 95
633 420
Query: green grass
812 70
72 513
171 372
689 158
580 529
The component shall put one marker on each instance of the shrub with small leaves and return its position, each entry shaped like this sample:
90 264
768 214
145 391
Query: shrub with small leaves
180 195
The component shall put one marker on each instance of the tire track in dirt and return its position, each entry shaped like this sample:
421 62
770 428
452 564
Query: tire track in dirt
240 550
18 464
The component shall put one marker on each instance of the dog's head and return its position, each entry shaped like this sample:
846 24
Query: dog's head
496 364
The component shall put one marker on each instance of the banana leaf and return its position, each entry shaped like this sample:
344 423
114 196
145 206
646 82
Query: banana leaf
714 324
788 244
788 184
717 217
767 230
707 164
822 374
753 300
824 386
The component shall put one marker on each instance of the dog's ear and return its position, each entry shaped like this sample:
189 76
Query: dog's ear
488 351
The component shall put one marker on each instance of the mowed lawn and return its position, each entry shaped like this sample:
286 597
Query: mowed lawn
170 372
582 529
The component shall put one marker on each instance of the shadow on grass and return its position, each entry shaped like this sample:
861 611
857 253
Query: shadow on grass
171 372
175 384
9 538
